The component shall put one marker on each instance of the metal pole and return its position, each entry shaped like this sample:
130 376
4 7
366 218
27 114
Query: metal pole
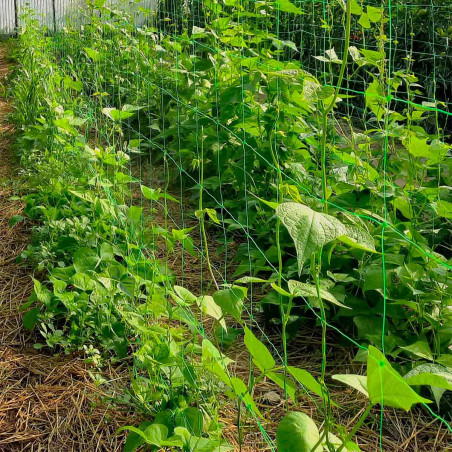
16 18
54 16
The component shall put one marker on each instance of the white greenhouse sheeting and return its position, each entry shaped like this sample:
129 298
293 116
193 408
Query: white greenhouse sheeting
54 13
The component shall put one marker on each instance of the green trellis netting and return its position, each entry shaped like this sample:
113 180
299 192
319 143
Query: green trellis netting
269 184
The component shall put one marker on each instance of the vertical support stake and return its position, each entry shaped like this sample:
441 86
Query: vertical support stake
54 16
16 18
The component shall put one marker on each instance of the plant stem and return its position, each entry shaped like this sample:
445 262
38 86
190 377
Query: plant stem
325 391
203 227
356 427
280 269
330 107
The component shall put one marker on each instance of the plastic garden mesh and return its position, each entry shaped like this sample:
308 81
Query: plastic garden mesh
267 167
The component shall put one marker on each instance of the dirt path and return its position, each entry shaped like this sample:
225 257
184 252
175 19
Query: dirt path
46 403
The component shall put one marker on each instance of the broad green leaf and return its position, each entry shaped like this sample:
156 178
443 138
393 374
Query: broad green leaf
261 356
306 379
192 419
135 213
336 443
309 230
358 382
404 206
444 209
386 386
198 32
215 362
106 252
93 54
184 294
230 301
210 212
131 108
281 291
156 194
356 55
431 375
30 318
356 8
373 57
375 14
127 285
375 99
134 440
299 289
373 277
271 204
42 293
297 432
419 348
135 320
65 124
330 58
116 271
183 433
16 219
251 279
364 20
137 431
156 434
209 307
85 259
117 115
358 238
213 215
82 281
288 7
417 147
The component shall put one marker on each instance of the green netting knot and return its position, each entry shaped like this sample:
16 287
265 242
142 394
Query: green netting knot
384 225
389 97
200 186
382 364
